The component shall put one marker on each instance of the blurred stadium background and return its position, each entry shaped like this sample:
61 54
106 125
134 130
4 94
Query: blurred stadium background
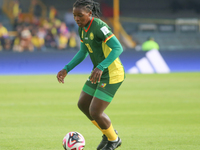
42 37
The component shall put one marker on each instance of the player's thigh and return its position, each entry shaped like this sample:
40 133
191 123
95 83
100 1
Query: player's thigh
89 88
86 96
102 97
84 101
97 107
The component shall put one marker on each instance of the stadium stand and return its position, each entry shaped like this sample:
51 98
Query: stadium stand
174 25
171 41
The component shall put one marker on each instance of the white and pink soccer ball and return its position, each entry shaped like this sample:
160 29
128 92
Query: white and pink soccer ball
73 141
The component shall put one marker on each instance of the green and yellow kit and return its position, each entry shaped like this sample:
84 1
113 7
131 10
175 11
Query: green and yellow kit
104 49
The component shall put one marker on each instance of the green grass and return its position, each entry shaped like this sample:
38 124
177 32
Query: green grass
150 112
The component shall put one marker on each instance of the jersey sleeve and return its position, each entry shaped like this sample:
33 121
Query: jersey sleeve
77 59
116 51
104 32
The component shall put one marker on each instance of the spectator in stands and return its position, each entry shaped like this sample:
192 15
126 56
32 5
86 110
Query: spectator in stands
64 30
54 27
41 32
16 12
150 44
47 24
16 45
3 34
3 31
52 13
50 41
74 40
54 31
38 39
62 41
23 41
63 36
38 42
8 44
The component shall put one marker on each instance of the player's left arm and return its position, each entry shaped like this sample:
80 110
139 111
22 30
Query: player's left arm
104 34
117 49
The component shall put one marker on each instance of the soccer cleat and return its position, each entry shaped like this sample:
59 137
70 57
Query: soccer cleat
104 141
112 145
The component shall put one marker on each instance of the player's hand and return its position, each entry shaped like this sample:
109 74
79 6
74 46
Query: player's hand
96 75
61 75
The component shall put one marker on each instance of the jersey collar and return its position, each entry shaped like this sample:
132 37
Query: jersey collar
86 30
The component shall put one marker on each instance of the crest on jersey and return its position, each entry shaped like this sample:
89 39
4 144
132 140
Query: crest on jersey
91 36
103 85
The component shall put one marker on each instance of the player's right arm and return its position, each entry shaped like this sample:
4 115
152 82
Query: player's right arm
78 58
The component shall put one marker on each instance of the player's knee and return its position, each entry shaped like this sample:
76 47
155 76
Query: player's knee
94 114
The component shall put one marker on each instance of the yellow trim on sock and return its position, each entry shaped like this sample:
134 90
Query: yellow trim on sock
96 124
110 133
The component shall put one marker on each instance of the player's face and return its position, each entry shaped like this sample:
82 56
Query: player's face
81 16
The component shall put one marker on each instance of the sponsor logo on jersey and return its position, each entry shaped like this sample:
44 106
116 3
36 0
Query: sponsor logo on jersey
91 36
105 30
86 38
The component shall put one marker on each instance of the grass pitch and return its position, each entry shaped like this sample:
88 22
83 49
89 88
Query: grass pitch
150 112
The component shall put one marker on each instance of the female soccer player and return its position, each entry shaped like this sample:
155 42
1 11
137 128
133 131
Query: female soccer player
107 75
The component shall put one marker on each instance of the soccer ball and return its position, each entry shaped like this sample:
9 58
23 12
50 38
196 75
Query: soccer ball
73 141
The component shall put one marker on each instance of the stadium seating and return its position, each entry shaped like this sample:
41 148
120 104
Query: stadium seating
170 41
144 21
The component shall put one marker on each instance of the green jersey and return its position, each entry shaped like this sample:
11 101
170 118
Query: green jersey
95 37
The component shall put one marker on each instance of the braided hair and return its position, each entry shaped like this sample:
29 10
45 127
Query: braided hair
90 5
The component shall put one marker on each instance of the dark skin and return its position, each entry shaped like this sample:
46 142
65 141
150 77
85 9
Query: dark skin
92 107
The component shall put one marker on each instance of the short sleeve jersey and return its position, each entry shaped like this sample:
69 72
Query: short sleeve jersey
95 37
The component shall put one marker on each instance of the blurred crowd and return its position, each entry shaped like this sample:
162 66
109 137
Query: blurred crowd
33 33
